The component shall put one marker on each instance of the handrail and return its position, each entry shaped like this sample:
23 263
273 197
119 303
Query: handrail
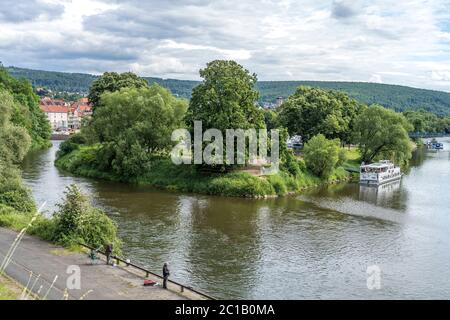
148 272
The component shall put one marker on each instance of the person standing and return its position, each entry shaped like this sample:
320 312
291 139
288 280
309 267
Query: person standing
166 274
108 252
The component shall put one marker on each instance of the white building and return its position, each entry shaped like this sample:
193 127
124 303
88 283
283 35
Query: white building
58 116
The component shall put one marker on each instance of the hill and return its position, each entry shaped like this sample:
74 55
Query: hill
391 96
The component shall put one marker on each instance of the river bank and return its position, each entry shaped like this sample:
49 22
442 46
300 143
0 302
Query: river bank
165 175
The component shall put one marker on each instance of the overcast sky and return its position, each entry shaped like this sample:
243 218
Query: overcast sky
400 42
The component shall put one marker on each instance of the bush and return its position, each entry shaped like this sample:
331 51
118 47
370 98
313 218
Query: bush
71 144
12 191
290 164
78 221
321 155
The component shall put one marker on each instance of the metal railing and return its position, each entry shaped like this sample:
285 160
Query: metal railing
183 287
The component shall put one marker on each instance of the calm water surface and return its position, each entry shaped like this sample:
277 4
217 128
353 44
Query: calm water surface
314 245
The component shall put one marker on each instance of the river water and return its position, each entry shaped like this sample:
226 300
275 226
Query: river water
316 245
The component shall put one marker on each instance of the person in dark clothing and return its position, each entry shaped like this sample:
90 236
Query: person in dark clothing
166 274
108 251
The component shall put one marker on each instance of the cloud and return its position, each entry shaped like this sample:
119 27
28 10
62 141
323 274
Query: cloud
342 9
19 11
339 40
440 75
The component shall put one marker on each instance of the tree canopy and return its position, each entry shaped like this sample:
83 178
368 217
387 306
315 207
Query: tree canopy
113 81
321 155
426 122
25 111
226 99
383 134
311 111
132 123
14 144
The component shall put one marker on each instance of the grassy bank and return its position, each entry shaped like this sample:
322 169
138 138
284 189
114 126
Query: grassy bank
17 220
9 290
164 174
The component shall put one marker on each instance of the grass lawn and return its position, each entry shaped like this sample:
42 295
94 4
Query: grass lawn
9 290
353 159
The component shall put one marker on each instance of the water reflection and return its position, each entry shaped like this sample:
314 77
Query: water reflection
382 195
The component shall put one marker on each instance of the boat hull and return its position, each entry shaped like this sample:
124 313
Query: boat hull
378 183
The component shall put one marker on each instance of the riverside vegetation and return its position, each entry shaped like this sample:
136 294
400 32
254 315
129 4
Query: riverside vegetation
128 137
24 126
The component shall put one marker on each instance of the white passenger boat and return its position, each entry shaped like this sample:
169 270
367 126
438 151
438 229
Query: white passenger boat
378 173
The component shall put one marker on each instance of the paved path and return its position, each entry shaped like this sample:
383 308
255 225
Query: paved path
43 261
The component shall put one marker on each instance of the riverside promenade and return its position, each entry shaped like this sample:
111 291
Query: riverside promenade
45 269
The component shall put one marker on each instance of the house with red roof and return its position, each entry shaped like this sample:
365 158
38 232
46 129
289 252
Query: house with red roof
57 113
63 115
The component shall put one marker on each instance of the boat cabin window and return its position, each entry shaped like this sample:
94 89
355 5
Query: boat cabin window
370 169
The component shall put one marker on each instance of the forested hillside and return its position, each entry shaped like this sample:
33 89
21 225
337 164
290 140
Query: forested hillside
392 96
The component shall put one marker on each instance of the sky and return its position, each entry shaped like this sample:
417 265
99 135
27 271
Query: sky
403 42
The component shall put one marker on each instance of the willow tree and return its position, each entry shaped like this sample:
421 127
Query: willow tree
131 124
383 134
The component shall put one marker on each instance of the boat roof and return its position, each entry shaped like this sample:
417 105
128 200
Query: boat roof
378 164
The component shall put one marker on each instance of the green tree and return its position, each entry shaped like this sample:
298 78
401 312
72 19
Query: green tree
321 155
14 144
271 119
26 112
226 98
310 111
131 124
14 140
425 122
383 133
111 82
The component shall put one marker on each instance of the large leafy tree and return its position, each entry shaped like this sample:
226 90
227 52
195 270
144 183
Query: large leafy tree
226 99
14 144
25 111
383 133
321 155
131 123
425 122
111 82
310 111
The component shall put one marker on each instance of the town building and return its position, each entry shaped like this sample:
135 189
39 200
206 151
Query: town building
64 116
79 110
56 111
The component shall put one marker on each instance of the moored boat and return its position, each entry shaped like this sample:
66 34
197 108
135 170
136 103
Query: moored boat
379 173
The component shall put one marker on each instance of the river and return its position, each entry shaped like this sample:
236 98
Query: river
317 245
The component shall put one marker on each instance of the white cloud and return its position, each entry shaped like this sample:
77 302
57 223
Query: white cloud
440 75
403 43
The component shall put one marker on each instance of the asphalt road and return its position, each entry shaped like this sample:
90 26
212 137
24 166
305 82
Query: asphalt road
50 272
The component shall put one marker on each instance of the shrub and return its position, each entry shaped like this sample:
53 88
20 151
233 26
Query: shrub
73 143
12 191
290 164
78 221
321 155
